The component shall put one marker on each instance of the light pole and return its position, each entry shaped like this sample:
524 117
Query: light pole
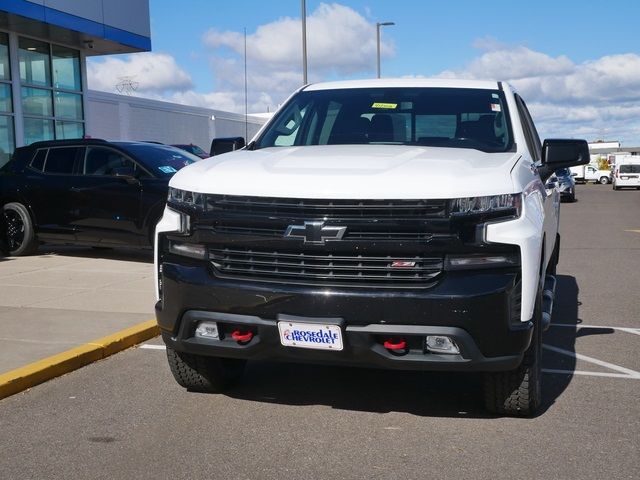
378 25
303 7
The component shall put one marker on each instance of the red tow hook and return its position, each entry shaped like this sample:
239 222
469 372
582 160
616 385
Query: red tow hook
242 337
390 344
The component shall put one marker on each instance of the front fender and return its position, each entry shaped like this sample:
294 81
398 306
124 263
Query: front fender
527 232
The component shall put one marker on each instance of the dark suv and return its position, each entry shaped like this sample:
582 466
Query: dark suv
86 192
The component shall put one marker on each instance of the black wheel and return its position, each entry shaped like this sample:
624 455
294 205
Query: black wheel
21 237
604 180
204 374
518 392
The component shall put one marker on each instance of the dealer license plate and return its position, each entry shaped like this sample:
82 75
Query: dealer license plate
310 335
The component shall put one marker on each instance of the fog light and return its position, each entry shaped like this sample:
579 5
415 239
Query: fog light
207 330
480 261
441 344
191 250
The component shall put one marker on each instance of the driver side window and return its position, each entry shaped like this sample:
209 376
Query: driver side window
104 161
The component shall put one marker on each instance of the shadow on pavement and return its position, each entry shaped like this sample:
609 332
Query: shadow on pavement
565 312
367 390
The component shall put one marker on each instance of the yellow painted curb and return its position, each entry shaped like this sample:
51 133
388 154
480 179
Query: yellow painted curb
38 372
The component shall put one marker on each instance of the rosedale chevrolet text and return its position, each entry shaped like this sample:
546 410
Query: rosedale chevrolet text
400 224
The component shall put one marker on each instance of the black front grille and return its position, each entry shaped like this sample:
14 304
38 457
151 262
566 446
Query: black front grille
313 208
326 269
374 233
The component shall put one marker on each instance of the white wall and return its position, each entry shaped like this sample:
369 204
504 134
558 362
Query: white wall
122 117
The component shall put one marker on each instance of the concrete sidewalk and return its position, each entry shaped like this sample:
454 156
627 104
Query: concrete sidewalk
66 297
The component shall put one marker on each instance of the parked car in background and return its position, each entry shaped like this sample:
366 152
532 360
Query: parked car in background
566 184
593 174
590 173
627 173
193 149
86 192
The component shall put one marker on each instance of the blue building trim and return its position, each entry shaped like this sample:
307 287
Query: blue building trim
127 38
73 22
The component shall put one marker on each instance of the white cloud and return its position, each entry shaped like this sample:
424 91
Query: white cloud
151 73
597 98
340 43
339 40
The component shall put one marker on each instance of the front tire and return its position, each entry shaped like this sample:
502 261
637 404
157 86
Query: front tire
20 234
198 373
518 392
604 180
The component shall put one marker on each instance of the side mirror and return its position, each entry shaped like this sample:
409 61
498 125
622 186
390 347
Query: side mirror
224 145
558 154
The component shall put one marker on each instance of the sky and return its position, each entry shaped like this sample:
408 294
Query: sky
576 64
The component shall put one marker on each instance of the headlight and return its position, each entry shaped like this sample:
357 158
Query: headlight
186 198
481 205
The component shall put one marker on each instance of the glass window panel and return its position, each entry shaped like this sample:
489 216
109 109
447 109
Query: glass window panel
6 104
6 138
66 68
61 160
34 62
65 130
105 161
36 101
5 72
68 105
38 160
37 129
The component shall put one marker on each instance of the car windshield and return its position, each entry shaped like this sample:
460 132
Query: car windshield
196 150
162 160
438 117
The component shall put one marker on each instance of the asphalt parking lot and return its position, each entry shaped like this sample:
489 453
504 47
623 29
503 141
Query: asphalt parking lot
125 417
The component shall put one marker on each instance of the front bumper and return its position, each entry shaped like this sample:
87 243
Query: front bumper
478 310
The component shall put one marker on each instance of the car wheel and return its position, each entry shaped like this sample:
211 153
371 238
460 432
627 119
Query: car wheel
20 234
198 373
519 392
604 180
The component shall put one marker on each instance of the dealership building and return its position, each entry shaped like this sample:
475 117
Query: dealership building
44 45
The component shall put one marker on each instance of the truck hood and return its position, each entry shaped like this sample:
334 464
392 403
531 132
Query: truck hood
352 172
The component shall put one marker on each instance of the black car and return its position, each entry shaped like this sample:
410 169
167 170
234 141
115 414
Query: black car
86 192
566 185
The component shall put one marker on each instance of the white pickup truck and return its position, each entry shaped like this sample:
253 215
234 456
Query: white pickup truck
590 173
399 224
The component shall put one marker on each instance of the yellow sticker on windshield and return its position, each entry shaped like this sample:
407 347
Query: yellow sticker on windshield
390 106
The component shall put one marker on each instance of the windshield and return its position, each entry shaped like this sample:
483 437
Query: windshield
438 117
162 160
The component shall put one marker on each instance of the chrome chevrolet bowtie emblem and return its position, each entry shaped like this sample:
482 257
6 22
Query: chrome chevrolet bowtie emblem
315 232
